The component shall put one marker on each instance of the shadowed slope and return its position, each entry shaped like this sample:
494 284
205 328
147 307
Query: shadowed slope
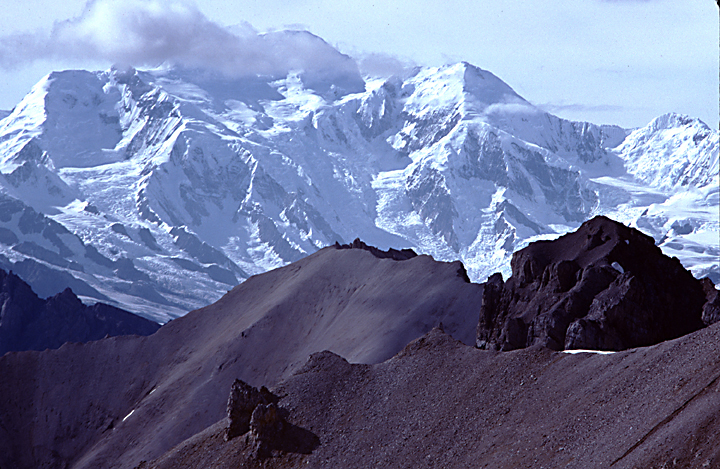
149 394
28 322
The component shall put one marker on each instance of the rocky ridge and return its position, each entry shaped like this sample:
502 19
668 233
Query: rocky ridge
439 403
152 393
28 322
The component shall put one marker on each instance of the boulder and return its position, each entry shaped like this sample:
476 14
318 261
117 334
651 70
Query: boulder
256 414
604 287
267 425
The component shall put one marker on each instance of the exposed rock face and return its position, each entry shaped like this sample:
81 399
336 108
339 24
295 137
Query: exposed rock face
243 401
711 310
267 421
603 287
30 323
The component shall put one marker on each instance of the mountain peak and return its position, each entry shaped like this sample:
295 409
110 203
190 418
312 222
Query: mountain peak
479 82
264 169
464 82
597 288
674 150
30 323
674 120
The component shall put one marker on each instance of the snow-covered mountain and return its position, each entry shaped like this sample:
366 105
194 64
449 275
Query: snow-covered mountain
159 190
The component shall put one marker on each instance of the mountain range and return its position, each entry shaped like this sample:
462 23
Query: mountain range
159 190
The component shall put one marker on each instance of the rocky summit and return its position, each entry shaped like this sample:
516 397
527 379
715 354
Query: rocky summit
602 287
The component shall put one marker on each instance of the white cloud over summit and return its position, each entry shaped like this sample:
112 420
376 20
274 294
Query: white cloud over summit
150 33
605 61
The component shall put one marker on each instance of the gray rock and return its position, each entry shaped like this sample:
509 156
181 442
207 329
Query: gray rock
711 309
267 424
28 322
240 407
401 255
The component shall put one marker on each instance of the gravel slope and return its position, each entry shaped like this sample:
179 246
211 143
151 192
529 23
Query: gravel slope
440 403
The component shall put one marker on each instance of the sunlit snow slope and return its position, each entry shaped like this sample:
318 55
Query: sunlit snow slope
159 190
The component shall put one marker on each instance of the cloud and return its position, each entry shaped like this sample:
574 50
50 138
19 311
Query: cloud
511 108
574 107
153 32
383 65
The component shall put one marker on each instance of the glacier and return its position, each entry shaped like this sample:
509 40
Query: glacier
159 190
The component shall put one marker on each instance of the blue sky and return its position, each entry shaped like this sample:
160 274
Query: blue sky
604 61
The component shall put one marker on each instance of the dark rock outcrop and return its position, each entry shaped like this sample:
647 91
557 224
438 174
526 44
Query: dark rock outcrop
394 254
243 401
401 255
603 287
28 322
256 413
267 424
711 310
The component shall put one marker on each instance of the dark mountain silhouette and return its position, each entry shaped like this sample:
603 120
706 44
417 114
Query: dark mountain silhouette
380 388
28 322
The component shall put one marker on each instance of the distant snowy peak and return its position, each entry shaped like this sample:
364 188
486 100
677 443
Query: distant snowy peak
323 68
672 120
73 103
672 151
166 186
444 98
459 83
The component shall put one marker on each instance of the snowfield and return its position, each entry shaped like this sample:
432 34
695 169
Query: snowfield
160 190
